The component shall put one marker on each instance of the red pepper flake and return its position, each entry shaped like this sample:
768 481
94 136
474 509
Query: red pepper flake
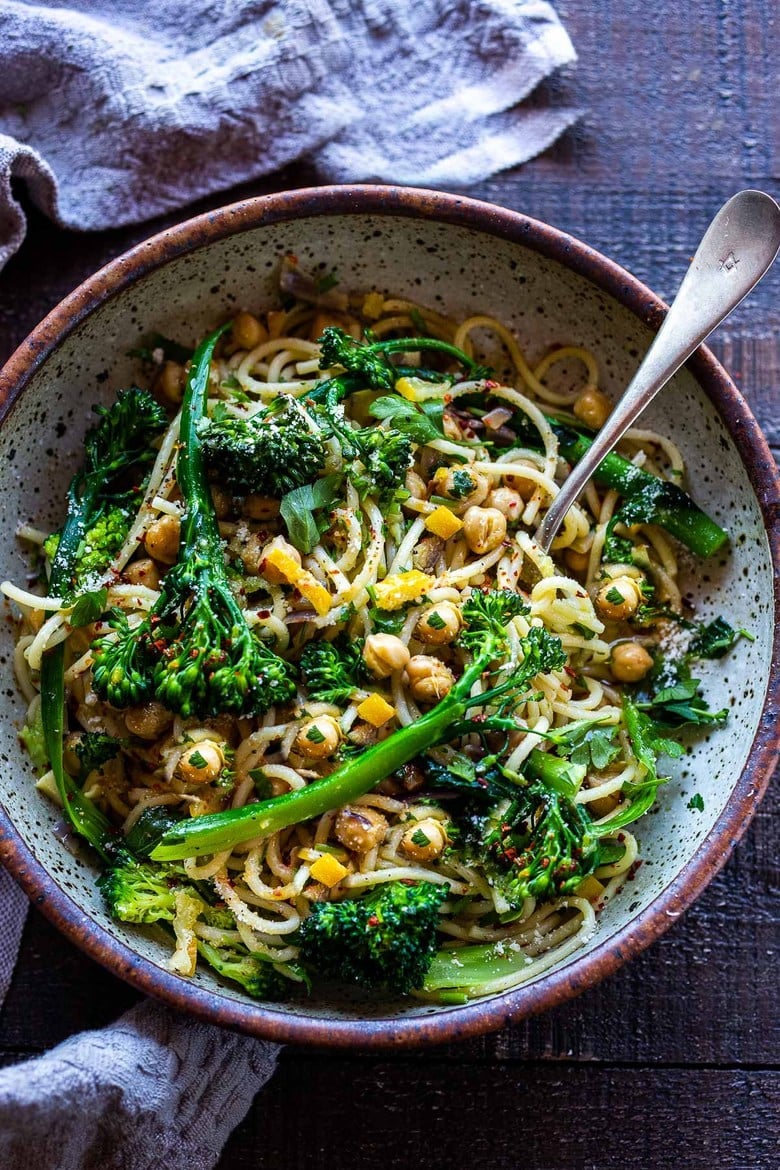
373 921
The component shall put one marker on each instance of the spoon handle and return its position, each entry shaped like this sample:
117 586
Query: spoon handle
737 249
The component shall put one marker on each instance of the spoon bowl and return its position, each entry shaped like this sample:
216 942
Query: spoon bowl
735 252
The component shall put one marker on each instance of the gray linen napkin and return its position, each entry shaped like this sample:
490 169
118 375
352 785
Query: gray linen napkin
114 111
154 1091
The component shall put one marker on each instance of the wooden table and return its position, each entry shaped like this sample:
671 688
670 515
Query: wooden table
674 1061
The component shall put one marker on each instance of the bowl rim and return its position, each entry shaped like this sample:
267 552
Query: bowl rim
578 973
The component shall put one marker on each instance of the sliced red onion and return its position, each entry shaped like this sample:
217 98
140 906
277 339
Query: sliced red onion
497 417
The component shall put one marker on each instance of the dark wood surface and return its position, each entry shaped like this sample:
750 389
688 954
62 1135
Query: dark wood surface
675 1061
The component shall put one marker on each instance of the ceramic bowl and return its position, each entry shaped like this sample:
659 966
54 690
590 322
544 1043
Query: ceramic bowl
461 256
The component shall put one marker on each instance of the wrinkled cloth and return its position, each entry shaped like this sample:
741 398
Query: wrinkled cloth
13 913
114 111
154 1091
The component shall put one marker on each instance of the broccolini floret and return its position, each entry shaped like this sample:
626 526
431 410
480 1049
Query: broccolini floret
367 363
332 671
338 348
375 459
138 892
117 453
103 541
194 652
257 976
271 453
539 844
385 939
101 493
94 748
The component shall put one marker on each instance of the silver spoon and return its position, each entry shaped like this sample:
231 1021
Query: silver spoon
737 249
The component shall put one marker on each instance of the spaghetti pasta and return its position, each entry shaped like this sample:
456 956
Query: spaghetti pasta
468 458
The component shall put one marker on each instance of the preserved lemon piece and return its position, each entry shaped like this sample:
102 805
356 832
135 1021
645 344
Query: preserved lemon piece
400 588
444 523
328 870
285 568
376 710
310 588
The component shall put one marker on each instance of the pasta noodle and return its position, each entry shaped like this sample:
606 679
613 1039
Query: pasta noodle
269 884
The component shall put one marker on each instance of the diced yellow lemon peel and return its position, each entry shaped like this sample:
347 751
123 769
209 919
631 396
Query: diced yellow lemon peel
400 588
328 870
307 585
283 563
589 888
375 710
310 588
443 523
373 305
418 390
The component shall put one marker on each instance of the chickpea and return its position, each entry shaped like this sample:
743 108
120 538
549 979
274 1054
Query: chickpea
618 598
424 840
222 500
384 653
252 551
162 539
315 892
70 758
523 485
630 662
318 738
592 407
429 678
260 507
461 485
169 383
143 572
148 721
34 620
576 561
440 624
415 485
272 574
247 331
360 829
201 762
484 529
507 501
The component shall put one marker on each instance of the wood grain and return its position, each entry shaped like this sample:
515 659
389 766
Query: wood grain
673 1062
470 1116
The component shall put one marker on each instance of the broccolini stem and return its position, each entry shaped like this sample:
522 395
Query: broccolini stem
218 831
432 344
200 530
555 773
333 390
468 968
86 818
684 519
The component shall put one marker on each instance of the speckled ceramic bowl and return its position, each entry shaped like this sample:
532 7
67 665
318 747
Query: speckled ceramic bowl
460 256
